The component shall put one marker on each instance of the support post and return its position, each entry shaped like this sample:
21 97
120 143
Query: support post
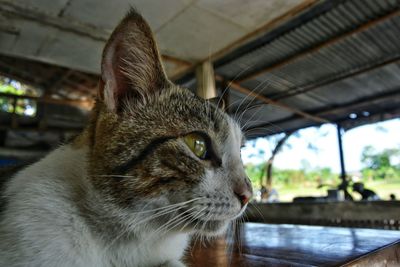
206 80
341 156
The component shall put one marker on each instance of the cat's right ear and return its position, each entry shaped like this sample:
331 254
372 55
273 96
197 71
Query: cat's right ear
218 101
131 66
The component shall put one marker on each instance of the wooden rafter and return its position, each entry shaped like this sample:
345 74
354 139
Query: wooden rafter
361 103
246 91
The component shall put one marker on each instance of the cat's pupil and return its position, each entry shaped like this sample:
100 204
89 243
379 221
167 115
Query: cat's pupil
200 147
197 144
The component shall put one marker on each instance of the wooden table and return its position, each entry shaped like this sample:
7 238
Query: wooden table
298 245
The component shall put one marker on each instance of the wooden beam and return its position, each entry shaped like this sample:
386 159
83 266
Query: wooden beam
366 102
320 46
267 100
206 80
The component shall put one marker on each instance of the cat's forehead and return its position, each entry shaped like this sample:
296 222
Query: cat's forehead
177 111
207 114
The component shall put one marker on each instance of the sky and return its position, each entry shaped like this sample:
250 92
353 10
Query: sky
298 155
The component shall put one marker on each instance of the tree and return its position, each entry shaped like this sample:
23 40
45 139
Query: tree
378 165
270 161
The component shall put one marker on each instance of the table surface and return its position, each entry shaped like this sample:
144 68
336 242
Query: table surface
256 244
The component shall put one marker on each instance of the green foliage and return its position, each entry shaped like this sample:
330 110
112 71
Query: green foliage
379 165
8 89
22 106
286 178
255 173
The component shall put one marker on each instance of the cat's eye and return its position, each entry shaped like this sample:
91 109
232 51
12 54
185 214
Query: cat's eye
197 143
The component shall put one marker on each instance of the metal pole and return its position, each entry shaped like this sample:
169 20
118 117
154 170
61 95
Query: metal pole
341 157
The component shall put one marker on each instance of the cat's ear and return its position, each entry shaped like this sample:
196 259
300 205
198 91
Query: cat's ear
218 101
131 65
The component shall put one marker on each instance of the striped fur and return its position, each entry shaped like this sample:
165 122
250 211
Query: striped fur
127 191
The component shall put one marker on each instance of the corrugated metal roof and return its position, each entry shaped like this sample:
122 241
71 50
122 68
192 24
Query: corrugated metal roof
336 58
318 65
339 20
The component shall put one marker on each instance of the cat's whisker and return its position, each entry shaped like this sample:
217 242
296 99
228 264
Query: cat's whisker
266 124
184 218
205 219
164 211
239 106
252 93
248 105
238 237
135 224
258 210
230 83
158 214
170 206
246 108
250 119
166 227
257 130
193 218
176 222
258 127
168 209
198 235
243 112
263 128
229 243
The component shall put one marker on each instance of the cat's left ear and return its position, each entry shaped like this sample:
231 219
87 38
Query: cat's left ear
131 66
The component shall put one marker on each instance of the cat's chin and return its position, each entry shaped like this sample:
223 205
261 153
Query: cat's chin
211 227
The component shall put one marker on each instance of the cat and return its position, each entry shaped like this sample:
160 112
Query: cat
155 165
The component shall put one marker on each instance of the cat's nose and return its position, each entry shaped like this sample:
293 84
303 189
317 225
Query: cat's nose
243 192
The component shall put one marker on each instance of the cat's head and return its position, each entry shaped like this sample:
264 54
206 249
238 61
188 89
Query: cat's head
159 150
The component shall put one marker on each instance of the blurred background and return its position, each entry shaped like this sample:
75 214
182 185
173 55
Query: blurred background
314 84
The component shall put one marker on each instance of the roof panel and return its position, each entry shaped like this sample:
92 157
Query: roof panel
293 63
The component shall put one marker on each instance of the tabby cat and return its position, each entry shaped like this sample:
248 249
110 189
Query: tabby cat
155 165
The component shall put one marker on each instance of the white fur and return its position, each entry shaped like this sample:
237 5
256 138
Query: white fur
42 225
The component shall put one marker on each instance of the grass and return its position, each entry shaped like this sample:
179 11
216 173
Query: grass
384 189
